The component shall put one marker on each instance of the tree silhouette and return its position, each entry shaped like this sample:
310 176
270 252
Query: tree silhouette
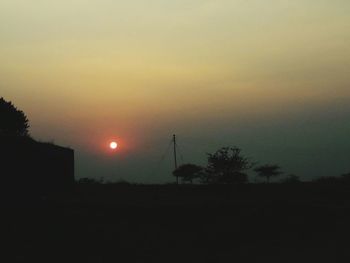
227 166
12 121
188 172
268 171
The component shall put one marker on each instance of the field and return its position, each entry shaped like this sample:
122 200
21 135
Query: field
166 223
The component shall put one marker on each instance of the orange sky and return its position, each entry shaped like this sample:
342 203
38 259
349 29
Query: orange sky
87 71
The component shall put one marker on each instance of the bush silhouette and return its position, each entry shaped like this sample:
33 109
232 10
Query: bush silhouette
89 181
327 180
227 166
188 172
291 179
346 178
13 122
268 171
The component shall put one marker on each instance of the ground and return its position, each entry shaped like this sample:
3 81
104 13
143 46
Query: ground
129 223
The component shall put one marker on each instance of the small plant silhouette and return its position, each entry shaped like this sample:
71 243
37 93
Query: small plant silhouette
90 181
291 179
346 178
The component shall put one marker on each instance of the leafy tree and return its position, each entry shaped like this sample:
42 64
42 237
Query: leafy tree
188 172
268 171
227 165
12 121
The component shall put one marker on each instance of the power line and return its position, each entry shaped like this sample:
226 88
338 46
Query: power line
175 157
179 150
156 169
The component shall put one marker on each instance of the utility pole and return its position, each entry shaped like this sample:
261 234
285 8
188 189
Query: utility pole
175 157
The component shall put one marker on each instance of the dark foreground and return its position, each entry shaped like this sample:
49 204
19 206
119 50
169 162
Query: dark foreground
121 223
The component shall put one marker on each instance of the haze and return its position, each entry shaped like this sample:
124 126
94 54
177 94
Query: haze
271 77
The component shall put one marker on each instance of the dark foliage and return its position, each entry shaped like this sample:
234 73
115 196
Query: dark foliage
227 166
13 122
268 171
188 172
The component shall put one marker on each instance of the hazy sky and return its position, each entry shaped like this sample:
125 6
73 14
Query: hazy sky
271 77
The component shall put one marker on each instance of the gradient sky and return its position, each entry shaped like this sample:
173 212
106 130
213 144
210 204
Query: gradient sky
271 77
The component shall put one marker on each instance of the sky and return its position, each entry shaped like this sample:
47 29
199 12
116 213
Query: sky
271 77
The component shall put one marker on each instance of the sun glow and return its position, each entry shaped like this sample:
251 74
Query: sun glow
113 145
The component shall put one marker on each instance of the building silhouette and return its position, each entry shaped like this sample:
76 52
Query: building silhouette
34 168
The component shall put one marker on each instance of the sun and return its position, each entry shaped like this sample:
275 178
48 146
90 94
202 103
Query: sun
113 145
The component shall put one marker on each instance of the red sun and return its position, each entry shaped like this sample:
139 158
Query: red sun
113 145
